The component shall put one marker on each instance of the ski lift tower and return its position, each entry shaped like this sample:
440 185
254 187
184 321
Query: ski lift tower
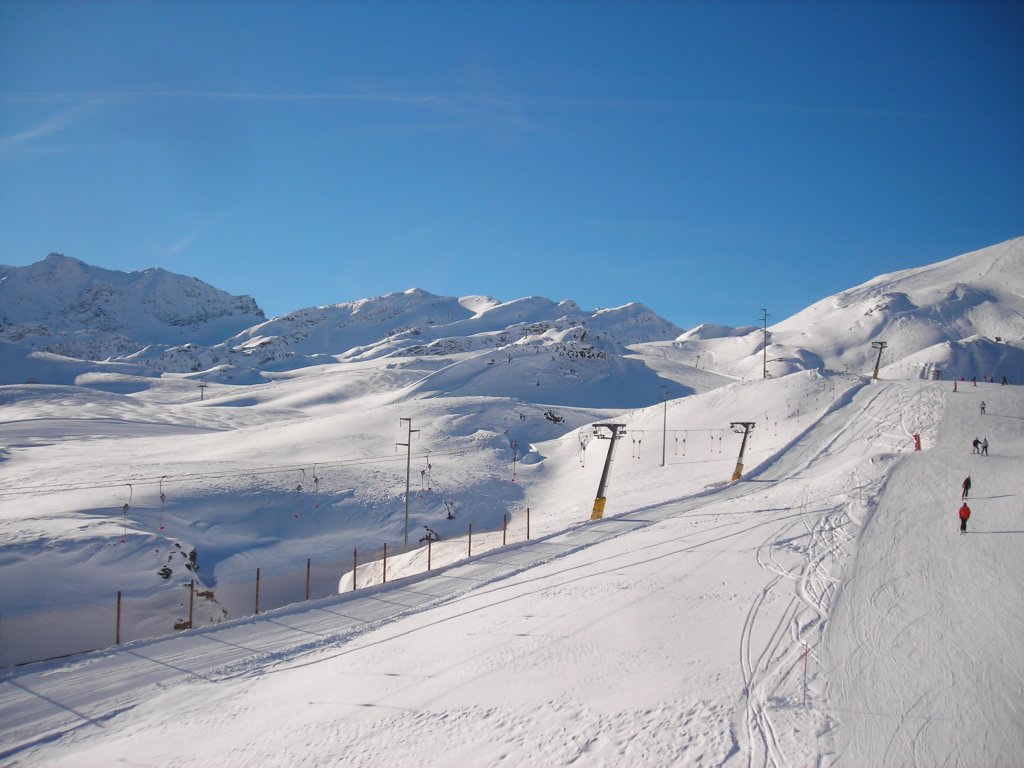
746 427
879 345
616 432
764 319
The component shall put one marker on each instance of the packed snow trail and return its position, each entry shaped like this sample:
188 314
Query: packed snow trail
925 642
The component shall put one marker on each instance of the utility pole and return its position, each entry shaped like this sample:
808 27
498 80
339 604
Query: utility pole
664 422
879 345
746 427
202 391
616 430
408 467
764 319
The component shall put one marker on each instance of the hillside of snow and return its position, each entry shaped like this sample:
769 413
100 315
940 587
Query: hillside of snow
962 317
823 610
279 449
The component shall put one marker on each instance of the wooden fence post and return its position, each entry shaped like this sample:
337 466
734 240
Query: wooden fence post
428 552
117 621
257 591
355 559
191 600
504 528
527 523
307 577
385 562
469 552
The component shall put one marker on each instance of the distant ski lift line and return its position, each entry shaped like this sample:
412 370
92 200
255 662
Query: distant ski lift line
265 470
157 479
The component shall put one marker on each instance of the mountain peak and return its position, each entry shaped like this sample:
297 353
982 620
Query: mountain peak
64 305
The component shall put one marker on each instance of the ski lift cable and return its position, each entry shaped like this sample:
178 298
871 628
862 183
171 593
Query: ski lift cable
199 476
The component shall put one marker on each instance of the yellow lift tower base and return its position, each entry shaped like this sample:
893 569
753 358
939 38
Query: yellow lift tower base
598 512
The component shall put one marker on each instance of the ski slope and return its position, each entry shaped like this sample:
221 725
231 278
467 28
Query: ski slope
924 650
672 632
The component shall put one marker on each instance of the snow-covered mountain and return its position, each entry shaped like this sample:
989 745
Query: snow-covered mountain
483 379
286 476
153 323
962 317
67 307
415 323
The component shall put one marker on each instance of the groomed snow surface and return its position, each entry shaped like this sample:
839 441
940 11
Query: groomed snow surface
676 631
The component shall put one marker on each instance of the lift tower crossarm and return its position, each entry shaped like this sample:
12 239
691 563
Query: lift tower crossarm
616 432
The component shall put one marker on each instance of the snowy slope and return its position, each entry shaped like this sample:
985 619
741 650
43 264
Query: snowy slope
114 473
962 317
673 632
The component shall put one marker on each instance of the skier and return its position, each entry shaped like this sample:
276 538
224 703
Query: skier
984 446
982 407
1003 382
976 446
965 512
966 486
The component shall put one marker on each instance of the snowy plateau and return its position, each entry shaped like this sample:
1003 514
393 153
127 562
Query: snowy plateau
205 557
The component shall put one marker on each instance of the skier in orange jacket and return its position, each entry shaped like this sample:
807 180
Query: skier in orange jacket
965 512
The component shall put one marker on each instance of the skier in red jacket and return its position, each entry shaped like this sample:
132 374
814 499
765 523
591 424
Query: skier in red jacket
965 512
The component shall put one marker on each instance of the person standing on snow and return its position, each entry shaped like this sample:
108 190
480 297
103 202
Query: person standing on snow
984 446
966 486
965 512
982 407
976 446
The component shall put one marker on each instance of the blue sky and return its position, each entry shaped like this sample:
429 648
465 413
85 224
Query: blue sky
705 159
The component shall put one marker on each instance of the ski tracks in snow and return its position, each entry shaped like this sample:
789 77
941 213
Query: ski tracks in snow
805 557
